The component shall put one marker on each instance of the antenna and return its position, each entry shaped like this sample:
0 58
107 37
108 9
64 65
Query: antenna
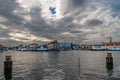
110 39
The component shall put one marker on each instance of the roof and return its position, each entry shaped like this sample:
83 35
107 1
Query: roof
111 43
33 44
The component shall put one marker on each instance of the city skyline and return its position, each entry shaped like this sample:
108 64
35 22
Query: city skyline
78 21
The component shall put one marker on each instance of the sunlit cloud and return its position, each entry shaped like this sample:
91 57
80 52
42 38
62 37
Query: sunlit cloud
25 36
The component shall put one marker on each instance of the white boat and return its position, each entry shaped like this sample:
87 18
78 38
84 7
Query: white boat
114 49
23 49
42 49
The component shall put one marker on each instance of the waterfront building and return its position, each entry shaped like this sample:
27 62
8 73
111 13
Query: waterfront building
83 47
20 46
1 48
64 46
33 46
111 45
51 45
96 47
76 47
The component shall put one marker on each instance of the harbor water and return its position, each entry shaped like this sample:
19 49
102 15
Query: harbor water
61 65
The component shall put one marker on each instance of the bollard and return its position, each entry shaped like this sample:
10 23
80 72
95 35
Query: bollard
109 61
79 61
8 68
79 65
109 55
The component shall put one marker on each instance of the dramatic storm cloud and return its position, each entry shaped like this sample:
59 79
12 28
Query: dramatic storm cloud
78 21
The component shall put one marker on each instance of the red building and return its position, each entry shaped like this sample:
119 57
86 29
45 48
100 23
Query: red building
111 44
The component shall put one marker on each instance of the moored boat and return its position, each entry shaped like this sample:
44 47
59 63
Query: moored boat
114 49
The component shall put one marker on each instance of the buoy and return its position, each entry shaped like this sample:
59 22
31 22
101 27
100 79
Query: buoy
109 55
109 61
8 68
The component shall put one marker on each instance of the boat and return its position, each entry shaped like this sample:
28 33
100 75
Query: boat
112 46
114 49
23 49
97 48
42 49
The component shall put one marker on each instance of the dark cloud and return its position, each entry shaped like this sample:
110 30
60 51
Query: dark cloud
94 22
75 31
114 5
6 10
76 5
8 5
79 3
38 26
3 33
12 21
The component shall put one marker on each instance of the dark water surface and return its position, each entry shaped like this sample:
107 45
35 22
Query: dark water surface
61 65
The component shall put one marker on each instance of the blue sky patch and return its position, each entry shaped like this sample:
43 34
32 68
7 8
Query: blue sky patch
52 9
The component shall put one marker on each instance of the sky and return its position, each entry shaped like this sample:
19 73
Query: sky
76 21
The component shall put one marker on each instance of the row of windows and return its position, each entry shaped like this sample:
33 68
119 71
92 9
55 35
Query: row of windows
111 44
